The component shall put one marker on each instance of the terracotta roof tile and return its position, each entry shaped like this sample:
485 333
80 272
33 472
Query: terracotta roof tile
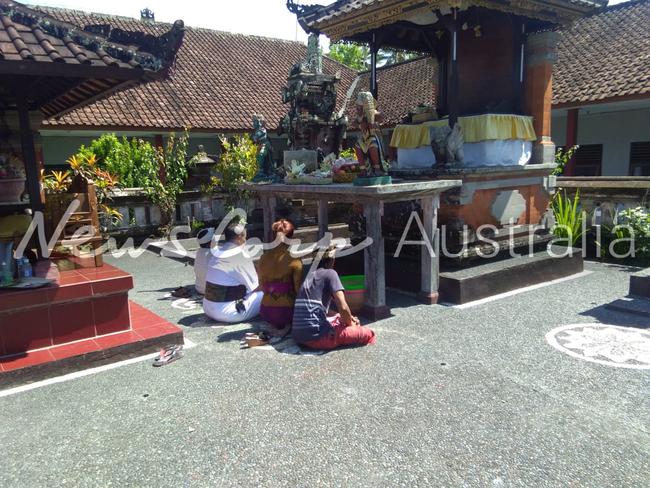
402 87
605 55
219 81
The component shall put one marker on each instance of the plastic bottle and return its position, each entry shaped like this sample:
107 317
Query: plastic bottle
27 268
19 268
6 277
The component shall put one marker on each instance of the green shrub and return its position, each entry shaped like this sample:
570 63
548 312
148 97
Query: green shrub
632 224
569 217
129 160
562 158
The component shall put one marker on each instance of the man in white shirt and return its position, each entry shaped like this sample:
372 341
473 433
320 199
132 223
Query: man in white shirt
232 293
202 259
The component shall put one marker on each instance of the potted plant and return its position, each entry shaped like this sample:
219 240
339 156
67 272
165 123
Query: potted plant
12 178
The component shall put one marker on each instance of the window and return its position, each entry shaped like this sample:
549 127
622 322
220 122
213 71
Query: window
640 159
588 160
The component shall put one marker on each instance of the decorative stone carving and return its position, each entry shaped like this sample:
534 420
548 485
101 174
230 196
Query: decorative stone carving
508 207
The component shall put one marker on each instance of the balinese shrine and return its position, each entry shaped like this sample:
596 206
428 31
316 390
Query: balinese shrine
491 128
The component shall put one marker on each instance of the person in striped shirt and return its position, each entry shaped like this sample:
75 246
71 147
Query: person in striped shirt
311 325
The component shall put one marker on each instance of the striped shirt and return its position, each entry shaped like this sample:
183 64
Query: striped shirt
313 302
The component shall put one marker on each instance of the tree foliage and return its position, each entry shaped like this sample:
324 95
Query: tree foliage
357 56
354 56
166 178
236 166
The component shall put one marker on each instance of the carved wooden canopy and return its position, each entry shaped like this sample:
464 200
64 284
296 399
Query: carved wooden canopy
345 19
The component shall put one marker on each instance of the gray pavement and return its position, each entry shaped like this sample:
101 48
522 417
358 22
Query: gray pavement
447 397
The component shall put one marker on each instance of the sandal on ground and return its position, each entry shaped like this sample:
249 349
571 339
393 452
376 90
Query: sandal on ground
168 355
181 292
256 341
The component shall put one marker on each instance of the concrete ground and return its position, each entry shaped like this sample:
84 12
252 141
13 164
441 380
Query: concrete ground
447 397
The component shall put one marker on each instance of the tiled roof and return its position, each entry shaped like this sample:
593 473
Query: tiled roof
35 44
219 81
312 16
402 87
26 34
605 55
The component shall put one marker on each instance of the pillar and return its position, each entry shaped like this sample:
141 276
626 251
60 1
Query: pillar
268 214
323 218
430 265
29 153
541 54
374 50
375 307
571 137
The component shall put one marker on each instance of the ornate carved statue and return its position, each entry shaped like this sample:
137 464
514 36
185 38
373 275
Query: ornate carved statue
455 141
369 148
312 122
314 55
447 145
265 163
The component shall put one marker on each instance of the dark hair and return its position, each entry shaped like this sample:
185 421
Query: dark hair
233 230
284 226
326 263
204 238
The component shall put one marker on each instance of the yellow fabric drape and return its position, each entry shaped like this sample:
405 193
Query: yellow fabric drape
476 128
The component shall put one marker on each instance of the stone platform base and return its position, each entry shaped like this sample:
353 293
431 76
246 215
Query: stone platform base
640 283
148 334
496 277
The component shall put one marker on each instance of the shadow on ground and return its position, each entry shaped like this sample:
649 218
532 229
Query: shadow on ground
608 316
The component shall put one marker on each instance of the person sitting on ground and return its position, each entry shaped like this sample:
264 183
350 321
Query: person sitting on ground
280 279
232 290
202 259
311 325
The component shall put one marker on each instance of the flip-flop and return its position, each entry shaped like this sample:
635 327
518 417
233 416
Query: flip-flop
255 342
168 355
181 292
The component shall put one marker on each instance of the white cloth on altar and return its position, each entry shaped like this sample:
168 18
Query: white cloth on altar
418 158
510 152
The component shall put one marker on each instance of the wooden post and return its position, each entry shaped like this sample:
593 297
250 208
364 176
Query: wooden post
29 153
430 265
323 219
375 266
572 116
374 49
268 211
452 100
519 45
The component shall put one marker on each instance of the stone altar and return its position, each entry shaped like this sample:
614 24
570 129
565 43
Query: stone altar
372 198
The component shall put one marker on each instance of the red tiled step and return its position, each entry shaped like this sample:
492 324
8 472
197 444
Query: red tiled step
149 332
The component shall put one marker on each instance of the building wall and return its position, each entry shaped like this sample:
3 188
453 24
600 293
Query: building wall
614 130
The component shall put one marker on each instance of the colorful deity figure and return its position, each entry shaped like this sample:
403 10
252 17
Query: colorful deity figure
265 163
369 149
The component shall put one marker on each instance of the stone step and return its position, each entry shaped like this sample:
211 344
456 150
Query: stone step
632 305
496 277
640 283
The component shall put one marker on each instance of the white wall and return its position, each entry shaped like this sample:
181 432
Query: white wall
614 130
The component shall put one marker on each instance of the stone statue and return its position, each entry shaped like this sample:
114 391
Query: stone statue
265 163
314 59
447 145
455 141
369 147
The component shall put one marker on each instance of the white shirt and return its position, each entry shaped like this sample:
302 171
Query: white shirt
201 262
230 266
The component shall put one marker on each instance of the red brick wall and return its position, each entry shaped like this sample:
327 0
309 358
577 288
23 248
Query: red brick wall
485 64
